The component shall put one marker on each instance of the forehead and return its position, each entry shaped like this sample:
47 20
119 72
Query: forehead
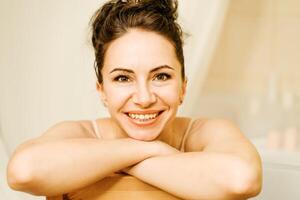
142 49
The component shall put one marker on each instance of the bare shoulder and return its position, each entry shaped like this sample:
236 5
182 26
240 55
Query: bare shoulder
215 134
68 129
61 130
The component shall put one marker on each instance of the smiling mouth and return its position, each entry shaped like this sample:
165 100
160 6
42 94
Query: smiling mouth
143 117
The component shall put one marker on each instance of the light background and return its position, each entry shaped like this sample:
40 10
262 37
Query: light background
242 63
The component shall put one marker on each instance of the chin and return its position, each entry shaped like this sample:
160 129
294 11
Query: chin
143 135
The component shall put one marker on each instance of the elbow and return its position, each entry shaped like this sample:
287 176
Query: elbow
18 173
247 181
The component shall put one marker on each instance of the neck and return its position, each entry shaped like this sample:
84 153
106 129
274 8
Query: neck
168 134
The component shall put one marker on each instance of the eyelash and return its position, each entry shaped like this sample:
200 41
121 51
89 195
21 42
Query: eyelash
117 79
168 76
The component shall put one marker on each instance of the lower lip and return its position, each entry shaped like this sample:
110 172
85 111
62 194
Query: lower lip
148 122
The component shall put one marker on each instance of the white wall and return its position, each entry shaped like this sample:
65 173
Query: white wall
46 66
204 21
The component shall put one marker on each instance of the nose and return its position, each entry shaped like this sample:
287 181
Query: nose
143 96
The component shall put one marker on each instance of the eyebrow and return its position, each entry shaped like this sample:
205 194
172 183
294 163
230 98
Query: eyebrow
153 70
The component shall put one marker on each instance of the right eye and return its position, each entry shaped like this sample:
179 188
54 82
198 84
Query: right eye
121 78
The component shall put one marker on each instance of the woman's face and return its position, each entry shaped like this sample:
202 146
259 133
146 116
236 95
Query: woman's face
142 85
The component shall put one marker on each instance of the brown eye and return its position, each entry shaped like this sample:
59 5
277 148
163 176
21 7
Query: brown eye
121 78
162 77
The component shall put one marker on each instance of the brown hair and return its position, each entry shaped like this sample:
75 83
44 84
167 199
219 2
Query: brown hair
116 17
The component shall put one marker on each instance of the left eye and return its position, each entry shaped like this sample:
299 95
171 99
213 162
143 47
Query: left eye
162 77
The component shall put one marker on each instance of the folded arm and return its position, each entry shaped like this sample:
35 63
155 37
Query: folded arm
64 159
227 166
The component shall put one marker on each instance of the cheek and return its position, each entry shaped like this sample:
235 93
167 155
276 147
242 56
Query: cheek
117 95
169 94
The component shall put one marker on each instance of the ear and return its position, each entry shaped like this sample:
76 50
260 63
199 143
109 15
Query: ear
100 89
183 90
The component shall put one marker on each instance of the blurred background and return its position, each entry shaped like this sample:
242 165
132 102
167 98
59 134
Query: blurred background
242 63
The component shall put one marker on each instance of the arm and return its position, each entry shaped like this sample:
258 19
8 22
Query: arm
49 167
227 167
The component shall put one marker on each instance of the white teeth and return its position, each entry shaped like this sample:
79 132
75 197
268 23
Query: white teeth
143 117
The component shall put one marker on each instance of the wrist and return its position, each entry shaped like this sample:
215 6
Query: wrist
163 149
153 148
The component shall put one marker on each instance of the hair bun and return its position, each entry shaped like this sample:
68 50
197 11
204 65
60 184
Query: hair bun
166 7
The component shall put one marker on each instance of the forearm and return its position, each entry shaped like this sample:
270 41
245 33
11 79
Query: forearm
62 166
196 175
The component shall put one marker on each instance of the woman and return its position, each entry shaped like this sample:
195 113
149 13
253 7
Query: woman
141 80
